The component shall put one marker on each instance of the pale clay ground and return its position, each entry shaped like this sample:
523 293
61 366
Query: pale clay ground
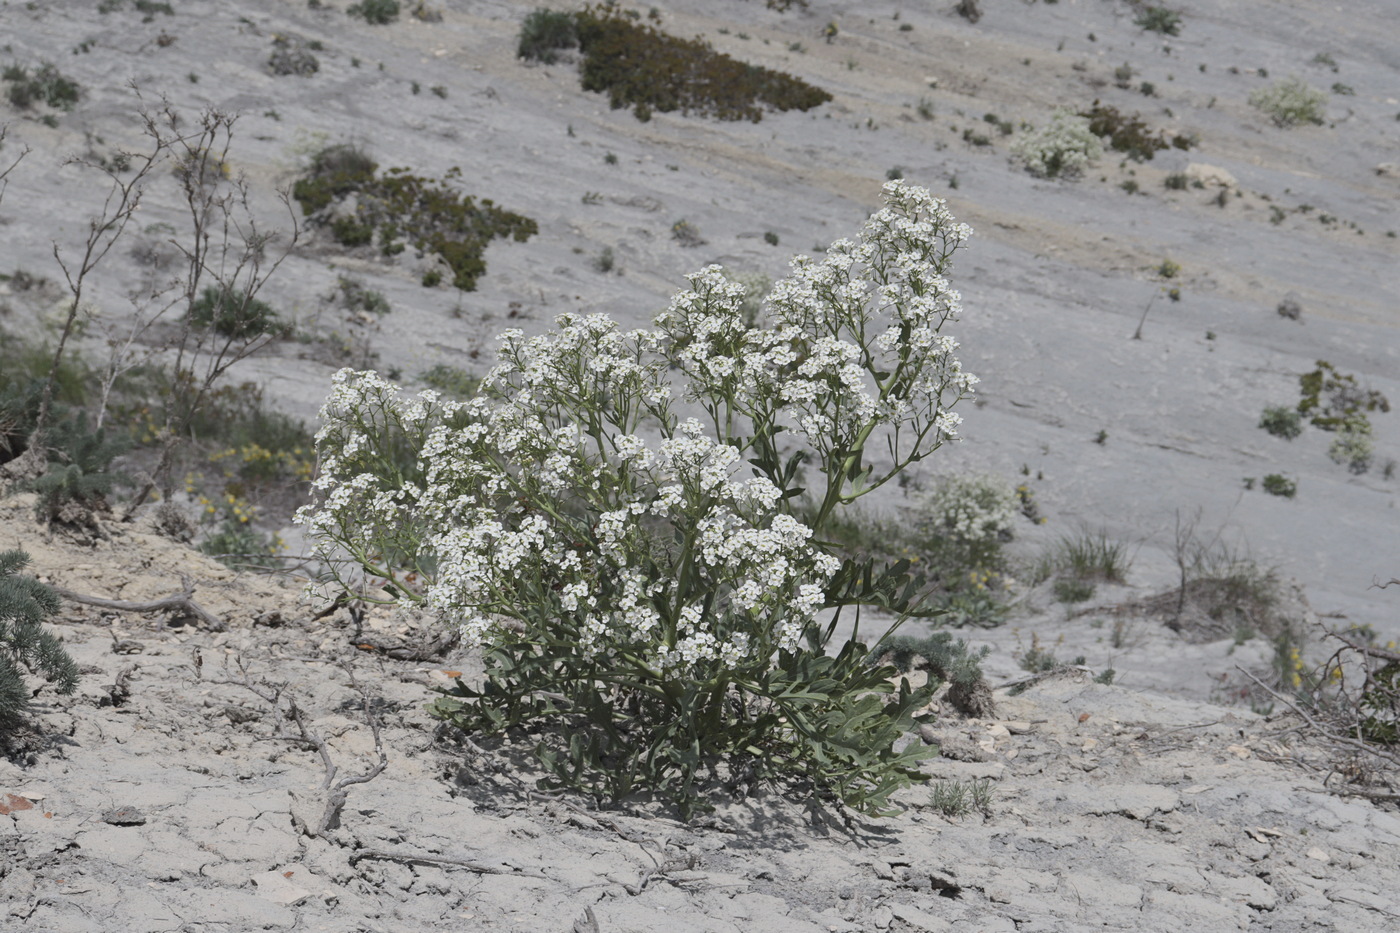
1159 811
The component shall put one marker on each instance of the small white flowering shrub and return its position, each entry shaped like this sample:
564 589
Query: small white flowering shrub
1063 147
1290 102
978 509
612 520
1352 446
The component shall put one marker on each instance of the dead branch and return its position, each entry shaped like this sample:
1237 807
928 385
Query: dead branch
182 601
409 858
1320 728
1044 675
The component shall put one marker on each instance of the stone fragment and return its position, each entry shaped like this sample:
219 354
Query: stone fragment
278 887
124 816
918 919
1209 175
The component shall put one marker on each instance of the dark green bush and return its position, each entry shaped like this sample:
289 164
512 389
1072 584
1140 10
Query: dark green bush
1128 135
403 208
46 85
544 33
25 645
945 659
79 471
1276 484
335 172
375 12
234 314
639 66
1281 421
1160 19
1334 399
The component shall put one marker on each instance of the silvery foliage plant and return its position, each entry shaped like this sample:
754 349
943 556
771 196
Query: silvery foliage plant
612 521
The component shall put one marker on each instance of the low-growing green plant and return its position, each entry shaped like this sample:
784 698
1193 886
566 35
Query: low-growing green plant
959 798
398 206
1128 135
45 85
645 597
1290 102
1159 19
375 12
1331 399
25 645
1176 181
1086 556
79 474
641 67
946 660
1282 421
1071 590
1276 484
355 296
1061 148
236 314
771 238
1353 447
451 381
544 33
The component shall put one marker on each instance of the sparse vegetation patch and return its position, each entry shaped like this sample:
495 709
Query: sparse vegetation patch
398 208
639 66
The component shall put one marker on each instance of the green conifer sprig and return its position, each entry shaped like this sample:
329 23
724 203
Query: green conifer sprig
25 645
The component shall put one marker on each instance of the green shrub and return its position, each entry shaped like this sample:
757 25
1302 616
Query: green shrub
959 798
1087 556
1352 447
1276 484
356 297
946 660
234 314
1334 399
1159 19
1281 421
46 86
1290 102
399 206
79 471
375 12
1061 148
544 33
1070 590
972 515
451 380
335 172
644 596
1176 181
639 66
25 645
1128 135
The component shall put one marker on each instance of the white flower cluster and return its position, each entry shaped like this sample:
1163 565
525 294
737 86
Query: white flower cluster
1064 146
569 506
974 510
855 343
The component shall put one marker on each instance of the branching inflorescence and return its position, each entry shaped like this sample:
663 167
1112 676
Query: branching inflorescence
612 518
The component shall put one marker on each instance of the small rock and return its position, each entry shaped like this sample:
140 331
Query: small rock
124 816
1210 175
1318 855
918 919
279 888
1388 170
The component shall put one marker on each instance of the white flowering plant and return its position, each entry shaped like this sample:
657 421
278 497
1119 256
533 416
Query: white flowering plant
613 520
1061 148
